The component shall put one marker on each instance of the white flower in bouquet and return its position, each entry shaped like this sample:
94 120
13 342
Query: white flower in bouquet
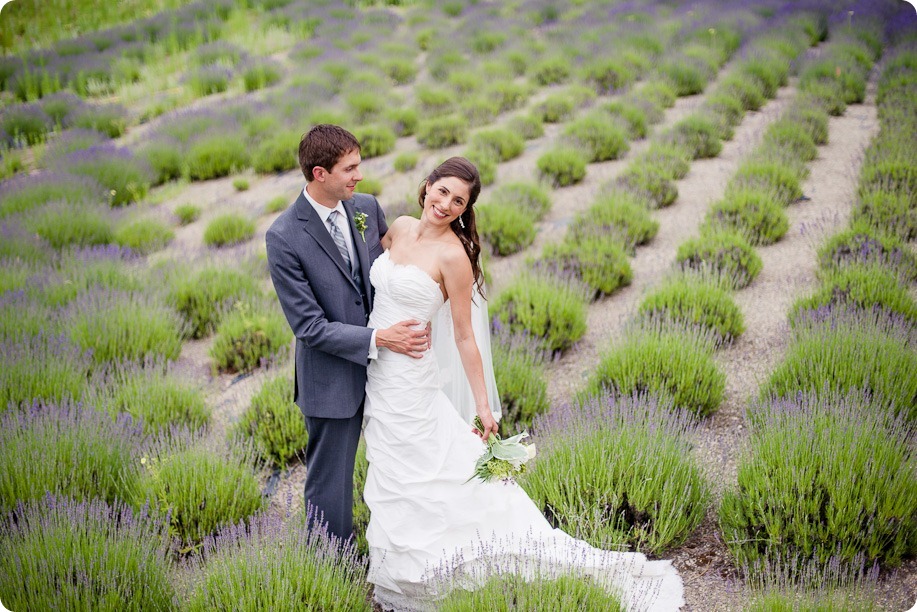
502 459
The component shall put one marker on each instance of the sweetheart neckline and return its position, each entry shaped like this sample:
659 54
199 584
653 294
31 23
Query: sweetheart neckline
423 272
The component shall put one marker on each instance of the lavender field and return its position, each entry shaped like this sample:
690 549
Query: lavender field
700 232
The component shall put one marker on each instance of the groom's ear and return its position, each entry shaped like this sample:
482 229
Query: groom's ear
319 173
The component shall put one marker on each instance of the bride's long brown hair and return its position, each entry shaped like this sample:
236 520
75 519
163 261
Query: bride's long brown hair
464 170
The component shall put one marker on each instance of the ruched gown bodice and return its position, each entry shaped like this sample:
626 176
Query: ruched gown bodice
429 525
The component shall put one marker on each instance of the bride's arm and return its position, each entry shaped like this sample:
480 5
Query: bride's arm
459 282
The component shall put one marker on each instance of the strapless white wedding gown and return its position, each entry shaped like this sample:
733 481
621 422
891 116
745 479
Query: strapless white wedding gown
429 529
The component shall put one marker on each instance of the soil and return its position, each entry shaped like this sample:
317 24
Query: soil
789 266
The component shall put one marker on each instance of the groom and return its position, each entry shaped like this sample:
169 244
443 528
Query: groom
319 252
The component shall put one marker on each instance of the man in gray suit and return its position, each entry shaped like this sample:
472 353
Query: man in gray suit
319 252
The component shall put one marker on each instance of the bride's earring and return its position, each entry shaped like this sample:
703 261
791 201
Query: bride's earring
461 223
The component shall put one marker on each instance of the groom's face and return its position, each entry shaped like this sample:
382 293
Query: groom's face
340 181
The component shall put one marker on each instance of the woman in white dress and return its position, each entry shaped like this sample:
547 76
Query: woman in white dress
430 528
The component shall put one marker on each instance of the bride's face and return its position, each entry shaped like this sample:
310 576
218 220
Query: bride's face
446 199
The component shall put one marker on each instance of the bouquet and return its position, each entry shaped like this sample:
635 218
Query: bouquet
503 459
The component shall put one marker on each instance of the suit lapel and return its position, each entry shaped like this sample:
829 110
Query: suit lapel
313 226
359 245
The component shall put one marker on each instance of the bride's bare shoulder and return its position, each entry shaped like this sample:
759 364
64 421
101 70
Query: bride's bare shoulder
402 223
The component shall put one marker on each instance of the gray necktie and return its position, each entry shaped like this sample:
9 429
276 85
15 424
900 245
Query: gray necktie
338 237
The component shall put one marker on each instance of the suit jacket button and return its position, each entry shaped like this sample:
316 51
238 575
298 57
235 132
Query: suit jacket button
358 302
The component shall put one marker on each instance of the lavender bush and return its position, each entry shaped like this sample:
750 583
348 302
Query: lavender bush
519 365
275 423
202 295
824 475
67 449
649 494
199 484
58 553
269 564
249 335
25 192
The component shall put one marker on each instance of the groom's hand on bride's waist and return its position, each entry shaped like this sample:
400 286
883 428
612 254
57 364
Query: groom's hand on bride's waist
405 338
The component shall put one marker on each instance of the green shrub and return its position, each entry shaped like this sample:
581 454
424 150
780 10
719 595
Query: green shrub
402 120
724 253
828 94
277 153
862 244
124 326
507 94
215 156
786 139
509 591
551 309
486 162
245 338
23 193
187 213
601 262
563 166
504 143
530 198
813 120
442 132
674 365
110 119
554 108
360 509
400 70
369 185
658 93
649 181
80 271
748 89
375 140
599 135
435 101
67 450
887 212
275 423
64 224
41 367
272 564
698 135
672 160
144 235
770 72
228 229
607 74
862 286
528 126
792 583
151 394
646 494
518 363
726 112
823 477
696 302
772 176
405 162
164 157
60 554
200 488
750 212
240 184
208 80
506 228
25 125
616 215
117 170
839 349
260 74
687 77
478 109
888 172
550 70
632 115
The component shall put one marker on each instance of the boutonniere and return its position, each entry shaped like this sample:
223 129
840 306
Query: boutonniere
359 219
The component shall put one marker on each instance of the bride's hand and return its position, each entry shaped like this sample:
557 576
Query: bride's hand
490 425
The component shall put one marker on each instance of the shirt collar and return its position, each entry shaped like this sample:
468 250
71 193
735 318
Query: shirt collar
323 211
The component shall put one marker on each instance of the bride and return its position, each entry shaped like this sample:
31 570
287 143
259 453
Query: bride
429 529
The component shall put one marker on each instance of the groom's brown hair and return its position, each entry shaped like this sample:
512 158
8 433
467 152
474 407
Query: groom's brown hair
323 146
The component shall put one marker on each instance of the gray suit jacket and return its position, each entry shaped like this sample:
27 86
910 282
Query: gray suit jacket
324 305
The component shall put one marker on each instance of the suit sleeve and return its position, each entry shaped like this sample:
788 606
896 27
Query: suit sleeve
303 312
